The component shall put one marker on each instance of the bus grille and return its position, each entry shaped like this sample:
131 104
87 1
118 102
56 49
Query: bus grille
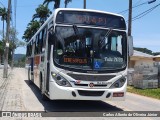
90 93
87 85
91 77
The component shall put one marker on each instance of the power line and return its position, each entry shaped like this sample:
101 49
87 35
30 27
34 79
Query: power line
2 4
137 2
133 7
144 13
148 2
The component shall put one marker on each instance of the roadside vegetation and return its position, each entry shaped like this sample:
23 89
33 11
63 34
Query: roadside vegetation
154 93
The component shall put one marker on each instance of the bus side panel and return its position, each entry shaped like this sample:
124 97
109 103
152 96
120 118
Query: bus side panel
28 68
36 70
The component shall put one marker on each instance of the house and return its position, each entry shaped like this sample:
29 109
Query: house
141 59
142 71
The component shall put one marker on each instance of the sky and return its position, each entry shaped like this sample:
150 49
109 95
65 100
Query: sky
145 31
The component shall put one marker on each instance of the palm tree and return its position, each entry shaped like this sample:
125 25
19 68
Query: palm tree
42 12
66 2
3 14
31 29
56 3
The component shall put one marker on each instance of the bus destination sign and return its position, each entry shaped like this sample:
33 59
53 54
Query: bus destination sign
90 18
70 60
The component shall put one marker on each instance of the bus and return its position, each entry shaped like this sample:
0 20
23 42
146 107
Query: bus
80 54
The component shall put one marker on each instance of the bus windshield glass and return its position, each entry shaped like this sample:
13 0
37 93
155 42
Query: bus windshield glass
90 49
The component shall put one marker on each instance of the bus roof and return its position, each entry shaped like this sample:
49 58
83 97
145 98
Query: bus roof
88 10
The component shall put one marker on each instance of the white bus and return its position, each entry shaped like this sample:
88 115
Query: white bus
80 54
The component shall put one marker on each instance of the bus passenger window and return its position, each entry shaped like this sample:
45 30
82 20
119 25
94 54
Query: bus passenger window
44 39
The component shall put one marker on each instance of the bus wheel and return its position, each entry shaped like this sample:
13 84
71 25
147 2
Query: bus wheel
29 76
43 96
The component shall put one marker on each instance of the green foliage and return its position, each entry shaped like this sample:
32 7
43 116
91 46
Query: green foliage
42 12
56 3
154 93
1 47
144 50
156 53
32 28
14 43
20 62
3 14
66 2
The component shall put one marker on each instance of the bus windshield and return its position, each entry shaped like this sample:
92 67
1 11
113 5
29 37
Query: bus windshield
90 49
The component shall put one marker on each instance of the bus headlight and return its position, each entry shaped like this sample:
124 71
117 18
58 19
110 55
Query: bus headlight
60 80
119 83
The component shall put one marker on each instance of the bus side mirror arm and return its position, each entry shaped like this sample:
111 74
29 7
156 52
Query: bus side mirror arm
130 45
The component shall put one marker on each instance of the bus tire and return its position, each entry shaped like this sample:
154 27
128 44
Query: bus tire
29 76
43 96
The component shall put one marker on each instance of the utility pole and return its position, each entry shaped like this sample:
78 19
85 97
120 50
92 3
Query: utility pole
130 19
5 70
84 4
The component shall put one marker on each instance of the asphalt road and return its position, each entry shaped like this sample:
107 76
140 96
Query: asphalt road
19 95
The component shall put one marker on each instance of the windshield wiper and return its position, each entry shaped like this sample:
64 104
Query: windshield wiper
75 28
106 36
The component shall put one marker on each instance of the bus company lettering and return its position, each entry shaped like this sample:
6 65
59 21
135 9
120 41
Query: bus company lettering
75 60
113 59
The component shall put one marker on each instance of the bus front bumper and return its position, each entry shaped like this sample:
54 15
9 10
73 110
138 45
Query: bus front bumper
69 93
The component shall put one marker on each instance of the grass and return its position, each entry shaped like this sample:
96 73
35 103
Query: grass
153 93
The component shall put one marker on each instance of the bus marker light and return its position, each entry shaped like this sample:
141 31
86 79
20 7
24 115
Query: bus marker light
53 74
118 94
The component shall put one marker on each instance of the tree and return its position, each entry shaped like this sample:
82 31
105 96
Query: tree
3 14
20 62
14 43
42 12
144 50
66 2
56 3
31 29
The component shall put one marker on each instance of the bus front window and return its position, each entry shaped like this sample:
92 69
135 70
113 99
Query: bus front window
90 49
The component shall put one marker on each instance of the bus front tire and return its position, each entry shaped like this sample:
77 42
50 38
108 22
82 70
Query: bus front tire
43 96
